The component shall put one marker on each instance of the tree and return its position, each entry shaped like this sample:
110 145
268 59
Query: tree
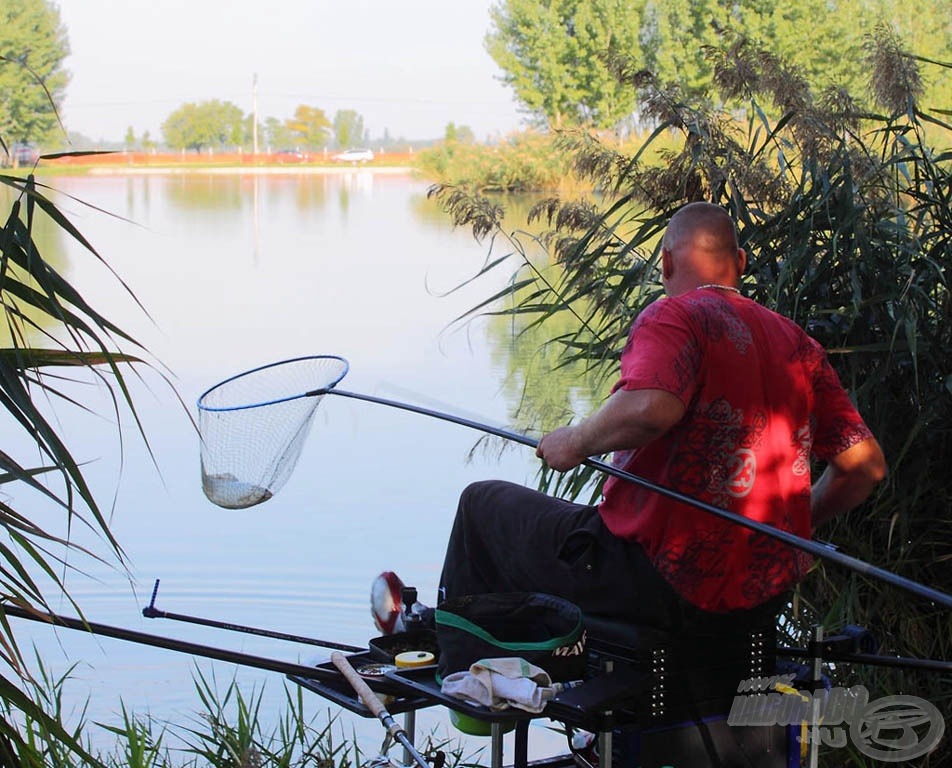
209 124
348 128
461 133
33 45
277 135
821 40
130 140
309 127
561 56
557 57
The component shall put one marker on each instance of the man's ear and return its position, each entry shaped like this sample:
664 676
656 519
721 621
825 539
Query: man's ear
667 264
741 261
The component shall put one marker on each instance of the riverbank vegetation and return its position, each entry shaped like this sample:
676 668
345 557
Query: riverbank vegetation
846 213
226 732
523 162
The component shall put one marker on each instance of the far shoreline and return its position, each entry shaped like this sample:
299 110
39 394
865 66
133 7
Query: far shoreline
245 170
138 163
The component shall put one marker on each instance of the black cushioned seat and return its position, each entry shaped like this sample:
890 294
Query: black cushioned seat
695 670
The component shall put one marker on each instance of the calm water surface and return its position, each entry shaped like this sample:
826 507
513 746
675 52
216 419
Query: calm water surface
238 271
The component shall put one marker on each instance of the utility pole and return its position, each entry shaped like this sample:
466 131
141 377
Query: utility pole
254 115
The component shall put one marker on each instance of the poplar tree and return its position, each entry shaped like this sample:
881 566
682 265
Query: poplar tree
556 56
562 57
348 128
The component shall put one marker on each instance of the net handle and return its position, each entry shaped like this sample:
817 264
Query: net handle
816 548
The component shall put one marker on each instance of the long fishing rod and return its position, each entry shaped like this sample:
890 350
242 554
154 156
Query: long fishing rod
194 649
822 551
870 659
151 612
873 659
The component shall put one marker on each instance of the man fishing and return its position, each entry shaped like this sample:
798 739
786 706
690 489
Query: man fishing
719 399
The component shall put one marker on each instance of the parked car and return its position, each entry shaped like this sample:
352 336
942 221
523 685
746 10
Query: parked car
355 156
21 155
290 156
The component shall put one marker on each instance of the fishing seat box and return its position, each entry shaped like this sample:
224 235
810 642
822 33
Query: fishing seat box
683 685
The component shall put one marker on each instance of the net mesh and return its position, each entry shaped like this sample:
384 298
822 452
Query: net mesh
253 427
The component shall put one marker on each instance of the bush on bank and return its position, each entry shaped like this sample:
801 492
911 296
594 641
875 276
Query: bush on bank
522 162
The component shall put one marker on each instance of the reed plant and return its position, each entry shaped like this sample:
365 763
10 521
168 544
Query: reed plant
844 204
229 730
52 338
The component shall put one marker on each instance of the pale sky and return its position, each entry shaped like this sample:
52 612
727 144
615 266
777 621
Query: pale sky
408 66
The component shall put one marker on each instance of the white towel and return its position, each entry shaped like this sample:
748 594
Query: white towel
502 683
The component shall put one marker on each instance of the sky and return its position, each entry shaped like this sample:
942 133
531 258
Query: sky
409 67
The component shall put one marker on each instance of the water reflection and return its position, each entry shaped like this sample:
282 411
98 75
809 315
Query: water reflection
206 192
542 387
237 271
356 182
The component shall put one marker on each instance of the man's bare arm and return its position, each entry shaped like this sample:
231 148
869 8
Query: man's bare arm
629 419
848 480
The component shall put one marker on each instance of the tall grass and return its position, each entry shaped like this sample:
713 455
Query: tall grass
228 731
52 335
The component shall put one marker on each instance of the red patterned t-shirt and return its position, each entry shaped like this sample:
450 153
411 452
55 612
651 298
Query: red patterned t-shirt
761 397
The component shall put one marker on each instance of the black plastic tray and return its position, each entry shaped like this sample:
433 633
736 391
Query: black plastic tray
378 683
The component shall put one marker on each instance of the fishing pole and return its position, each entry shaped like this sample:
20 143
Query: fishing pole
818 549
181 646
871 659
373 702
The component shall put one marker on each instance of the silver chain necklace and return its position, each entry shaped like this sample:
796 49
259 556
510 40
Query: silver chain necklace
722 287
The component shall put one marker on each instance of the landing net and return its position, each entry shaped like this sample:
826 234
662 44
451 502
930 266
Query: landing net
253 427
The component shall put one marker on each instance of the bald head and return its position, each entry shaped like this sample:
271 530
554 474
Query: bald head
699 247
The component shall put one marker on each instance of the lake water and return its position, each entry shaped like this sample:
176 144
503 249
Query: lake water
238 271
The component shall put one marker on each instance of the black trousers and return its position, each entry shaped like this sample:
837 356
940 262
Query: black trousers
509 538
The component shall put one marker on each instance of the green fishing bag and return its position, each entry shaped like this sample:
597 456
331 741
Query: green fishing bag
544 630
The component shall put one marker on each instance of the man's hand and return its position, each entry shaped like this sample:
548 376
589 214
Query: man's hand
560 450
626 421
